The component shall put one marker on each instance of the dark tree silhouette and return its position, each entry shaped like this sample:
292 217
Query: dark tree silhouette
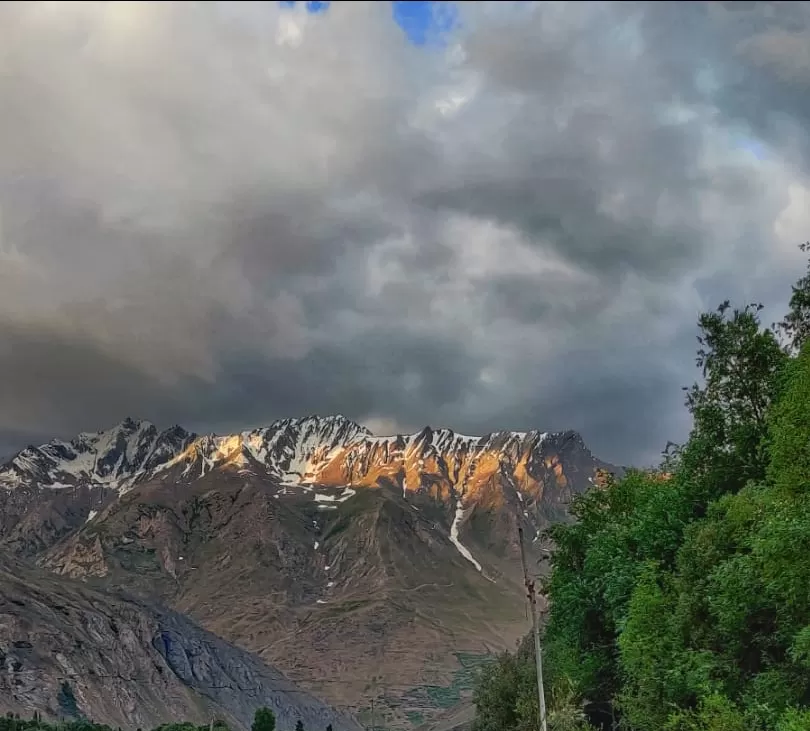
263 720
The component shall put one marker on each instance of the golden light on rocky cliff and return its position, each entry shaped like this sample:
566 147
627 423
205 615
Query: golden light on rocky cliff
472 472
229 449
448 468
189 454
559 475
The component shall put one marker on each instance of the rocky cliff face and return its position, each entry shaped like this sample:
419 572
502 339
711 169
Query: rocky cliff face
333 553
67 650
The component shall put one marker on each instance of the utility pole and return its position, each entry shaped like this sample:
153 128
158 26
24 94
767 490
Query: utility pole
373 686
538 654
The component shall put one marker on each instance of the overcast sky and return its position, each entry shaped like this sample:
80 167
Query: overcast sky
222 214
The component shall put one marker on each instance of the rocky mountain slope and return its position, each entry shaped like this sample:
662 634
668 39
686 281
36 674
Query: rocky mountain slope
67 650
361 565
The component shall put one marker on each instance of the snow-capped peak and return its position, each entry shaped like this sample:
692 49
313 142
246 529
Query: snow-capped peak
288 449
115 456
296 450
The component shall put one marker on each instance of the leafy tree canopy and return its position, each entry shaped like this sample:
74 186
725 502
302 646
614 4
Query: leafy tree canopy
263 720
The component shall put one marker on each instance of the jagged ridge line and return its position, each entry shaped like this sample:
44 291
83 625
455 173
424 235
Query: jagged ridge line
325 429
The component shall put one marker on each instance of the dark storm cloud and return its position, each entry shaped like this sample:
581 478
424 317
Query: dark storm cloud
530 299
391 373
61 376
617 388
222 214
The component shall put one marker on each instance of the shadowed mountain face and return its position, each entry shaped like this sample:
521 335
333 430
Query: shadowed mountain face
68 650
339 556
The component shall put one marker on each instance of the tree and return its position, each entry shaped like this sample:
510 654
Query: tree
796 324
496 695
741 365
299 725
263 720
506 696
789 446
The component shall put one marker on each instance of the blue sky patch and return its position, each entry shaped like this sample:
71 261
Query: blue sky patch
425 22
313 7
422 22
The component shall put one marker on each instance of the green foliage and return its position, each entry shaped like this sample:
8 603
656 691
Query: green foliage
504 695
14 723
716 713
681 601
796 325
181 726
566 710
263 720
794 720
741 364
788 446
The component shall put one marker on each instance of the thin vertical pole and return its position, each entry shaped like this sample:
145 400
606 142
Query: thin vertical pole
538 654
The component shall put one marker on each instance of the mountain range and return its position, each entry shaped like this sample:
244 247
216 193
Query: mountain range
362 567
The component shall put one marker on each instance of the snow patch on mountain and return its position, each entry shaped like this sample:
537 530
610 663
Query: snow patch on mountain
454 529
